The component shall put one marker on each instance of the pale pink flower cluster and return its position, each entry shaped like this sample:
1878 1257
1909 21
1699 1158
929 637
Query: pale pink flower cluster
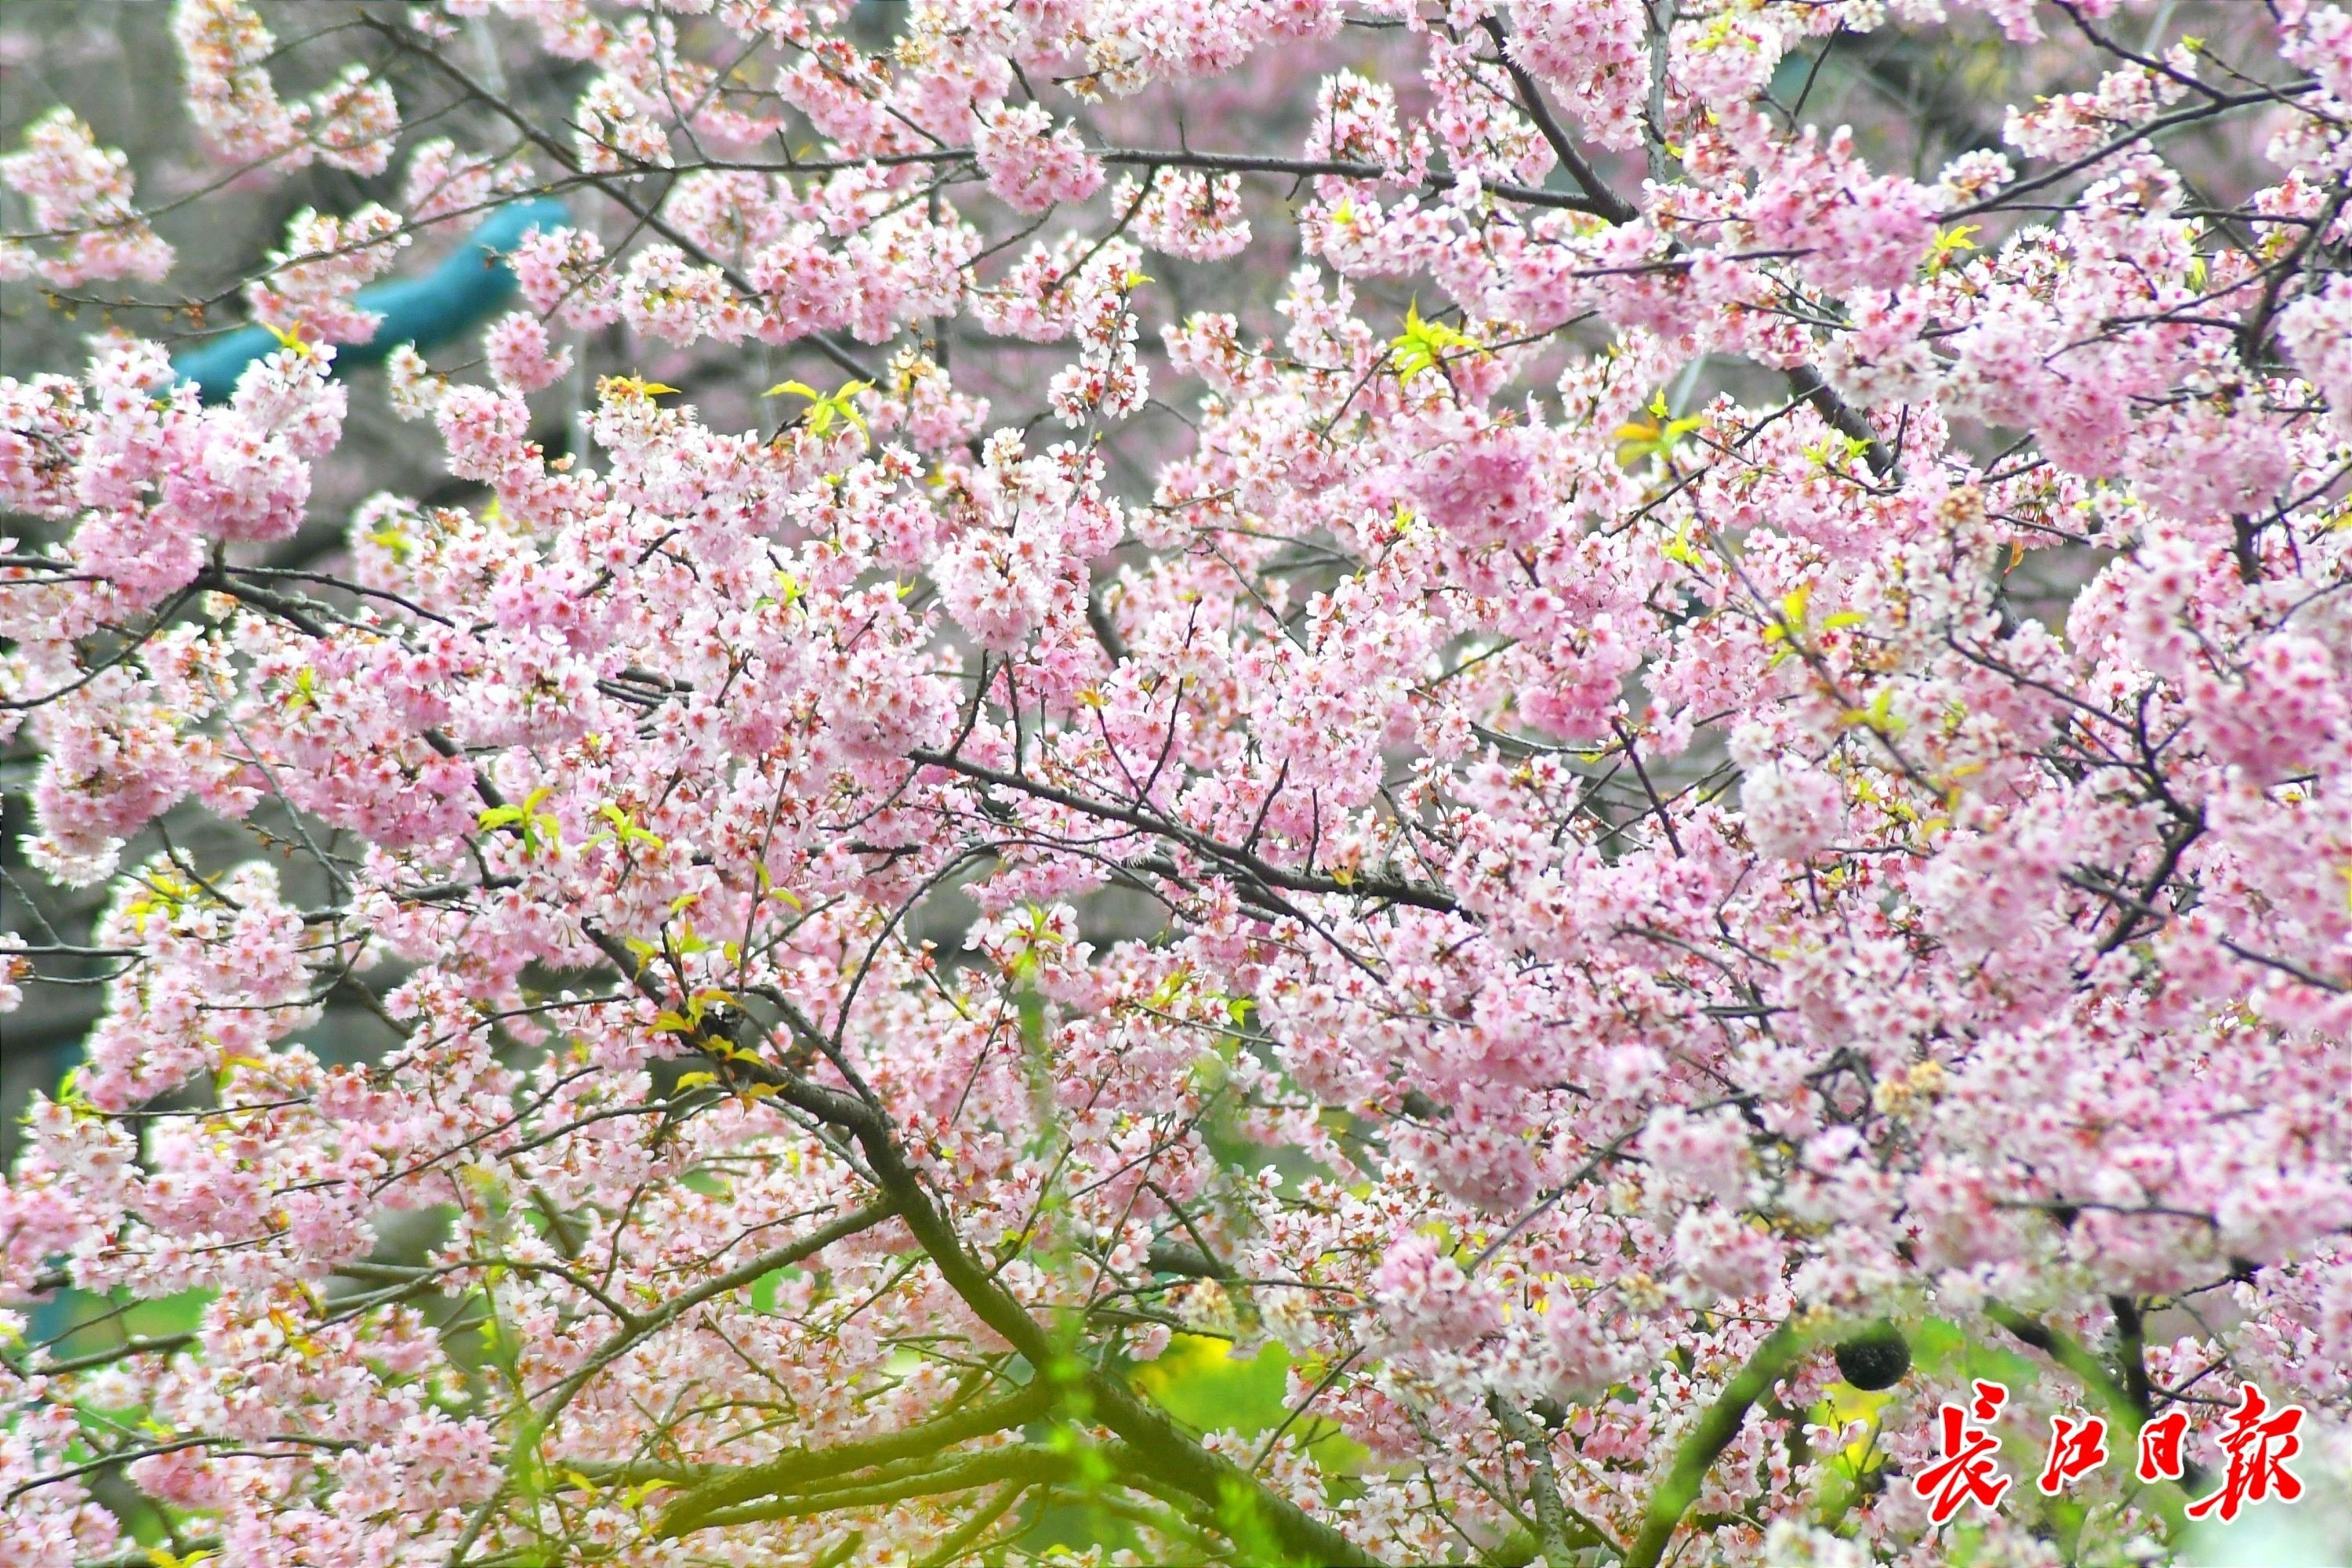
615 128
308 286
1107 382
2320 39
1791 810
1192 216
2317 329
355 122
1854 230
566 270
2071 124
1726 59
1031 162
441 181
81 198
1596 53
1356 122
516 346
1638 735
223 44
225 49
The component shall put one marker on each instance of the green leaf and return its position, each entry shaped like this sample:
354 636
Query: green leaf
1422 344
826 407
611 386
1950 243
626 830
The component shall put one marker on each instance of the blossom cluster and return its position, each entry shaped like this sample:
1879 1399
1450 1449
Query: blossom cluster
1629 787
81 193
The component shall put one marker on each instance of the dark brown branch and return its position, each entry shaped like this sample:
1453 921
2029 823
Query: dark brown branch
1601 200
1161 1445
1392 889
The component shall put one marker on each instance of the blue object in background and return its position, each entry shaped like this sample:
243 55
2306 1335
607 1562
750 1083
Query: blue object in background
455 296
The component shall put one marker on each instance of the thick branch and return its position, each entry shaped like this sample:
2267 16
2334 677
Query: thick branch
2123 1409
1805 383
1551 1514
1392 890
1706 1440
1026 1464
635 1330
795 1471
1602 200
1165 1447
1158 1441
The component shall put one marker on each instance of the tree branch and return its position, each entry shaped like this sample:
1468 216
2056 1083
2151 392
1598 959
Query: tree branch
1713 1434
795 1471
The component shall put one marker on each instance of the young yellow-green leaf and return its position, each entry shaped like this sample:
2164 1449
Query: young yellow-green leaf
1422 344
394 543
625 828
1949 243
826 407
1678 549
163 1557
1836 451
290 338
1170 989
611 386
1656 437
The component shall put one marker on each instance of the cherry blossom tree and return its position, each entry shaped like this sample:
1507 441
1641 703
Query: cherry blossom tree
1437 709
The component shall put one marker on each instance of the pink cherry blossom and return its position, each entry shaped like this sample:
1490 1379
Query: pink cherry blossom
1518 722
308 286
516 346
1032 164
81 193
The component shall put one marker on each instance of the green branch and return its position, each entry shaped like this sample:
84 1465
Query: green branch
1707 1441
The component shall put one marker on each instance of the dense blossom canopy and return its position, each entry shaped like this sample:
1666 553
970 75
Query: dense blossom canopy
1515 730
